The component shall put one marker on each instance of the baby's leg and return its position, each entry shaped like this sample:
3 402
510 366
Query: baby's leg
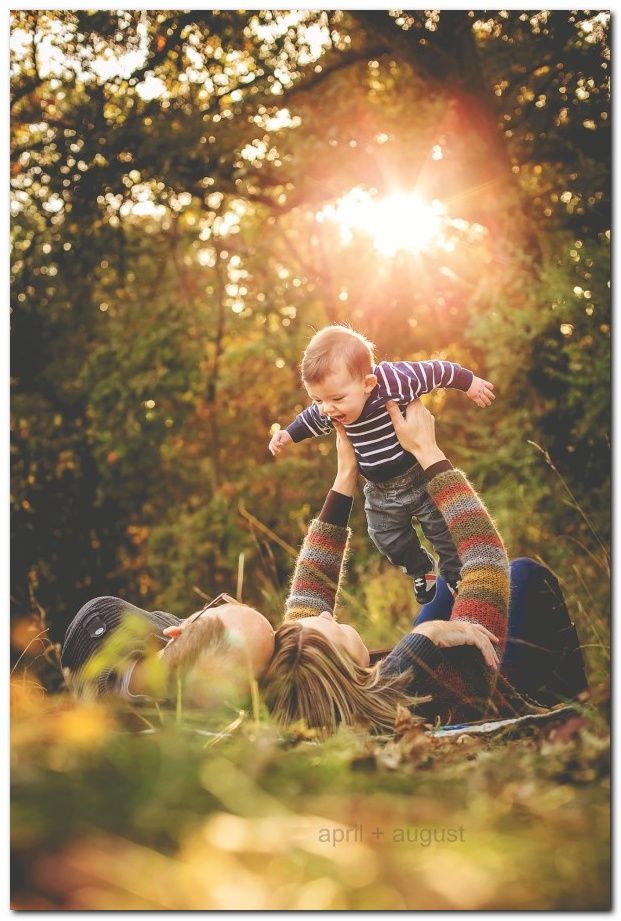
441 606
390 528
425 511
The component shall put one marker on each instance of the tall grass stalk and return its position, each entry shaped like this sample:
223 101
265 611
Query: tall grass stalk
255 699
179 703
254 522
240 577
574 503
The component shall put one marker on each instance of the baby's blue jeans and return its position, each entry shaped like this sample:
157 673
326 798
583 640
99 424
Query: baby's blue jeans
392 508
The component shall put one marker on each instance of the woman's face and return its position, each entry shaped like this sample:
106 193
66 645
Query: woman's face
344 637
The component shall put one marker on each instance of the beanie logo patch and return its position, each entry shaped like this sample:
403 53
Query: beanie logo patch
96 627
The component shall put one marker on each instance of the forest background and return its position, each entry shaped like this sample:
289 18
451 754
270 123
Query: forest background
195 192
175 248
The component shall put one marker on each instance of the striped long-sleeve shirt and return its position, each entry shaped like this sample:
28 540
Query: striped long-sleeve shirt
378 452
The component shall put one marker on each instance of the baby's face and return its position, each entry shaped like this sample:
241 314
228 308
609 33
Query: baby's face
341 396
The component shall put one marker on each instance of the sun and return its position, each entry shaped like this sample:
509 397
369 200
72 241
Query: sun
402 221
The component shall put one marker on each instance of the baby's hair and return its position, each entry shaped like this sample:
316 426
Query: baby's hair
331 345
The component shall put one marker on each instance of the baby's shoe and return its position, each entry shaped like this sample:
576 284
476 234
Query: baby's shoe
425 587
453 586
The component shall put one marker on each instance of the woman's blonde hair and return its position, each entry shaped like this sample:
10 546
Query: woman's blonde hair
310 680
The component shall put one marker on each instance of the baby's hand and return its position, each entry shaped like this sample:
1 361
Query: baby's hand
280 440
481 392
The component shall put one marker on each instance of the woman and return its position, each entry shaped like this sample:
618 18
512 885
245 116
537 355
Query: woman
112 647
320 670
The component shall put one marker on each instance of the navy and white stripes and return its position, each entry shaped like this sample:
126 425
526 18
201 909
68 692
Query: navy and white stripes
379 454
406 380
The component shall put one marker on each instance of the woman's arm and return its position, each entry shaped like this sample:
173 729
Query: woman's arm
319 564
483 596
484 586
464 678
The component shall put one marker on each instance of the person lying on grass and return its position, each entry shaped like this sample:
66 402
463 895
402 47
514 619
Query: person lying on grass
114 648
318 670
457 651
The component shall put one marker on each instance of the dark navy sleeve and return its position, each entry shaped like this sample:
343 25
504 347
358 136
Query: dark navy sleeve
336 509
310 423
414 651
438 467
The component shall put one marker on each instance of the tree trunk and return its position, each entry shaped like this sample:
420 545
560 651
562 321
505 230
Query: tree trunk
212 387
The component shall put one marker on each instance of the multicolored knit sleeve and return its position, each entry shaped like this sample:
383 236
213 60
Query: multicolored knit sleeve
483 596
460 684
317 574
463 684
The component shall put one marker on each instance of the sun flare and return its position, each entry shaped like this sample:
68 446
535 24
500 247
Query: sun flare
403 221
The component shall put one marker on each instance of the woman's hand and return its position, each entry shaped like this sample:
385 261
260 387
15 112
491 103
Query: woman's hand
445 633
347 471
416 433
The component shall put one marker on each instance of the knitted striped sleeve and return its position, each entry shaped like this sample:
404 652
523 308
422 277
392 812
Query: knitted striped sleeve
483 596
464 685
317 571
457 678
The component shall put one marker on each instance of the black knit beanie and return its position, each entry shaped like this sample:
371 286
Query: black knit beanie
94 623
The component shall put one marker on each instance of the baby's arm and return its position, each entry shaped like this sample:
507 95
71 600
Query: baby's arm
310 423
279 440
407 380
481 391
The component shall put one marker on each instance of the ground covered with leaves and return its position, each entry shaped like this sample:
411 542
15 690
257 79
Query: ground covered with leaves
138 810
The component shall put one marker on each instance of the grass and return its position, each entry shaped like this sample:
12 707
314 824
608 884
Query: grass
172 809
134 810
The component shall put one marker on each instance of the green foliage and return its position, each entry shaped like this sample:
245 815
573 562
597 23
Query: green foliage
168 269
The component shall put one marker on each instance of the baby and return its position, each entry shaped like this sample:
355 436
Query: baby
346 386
